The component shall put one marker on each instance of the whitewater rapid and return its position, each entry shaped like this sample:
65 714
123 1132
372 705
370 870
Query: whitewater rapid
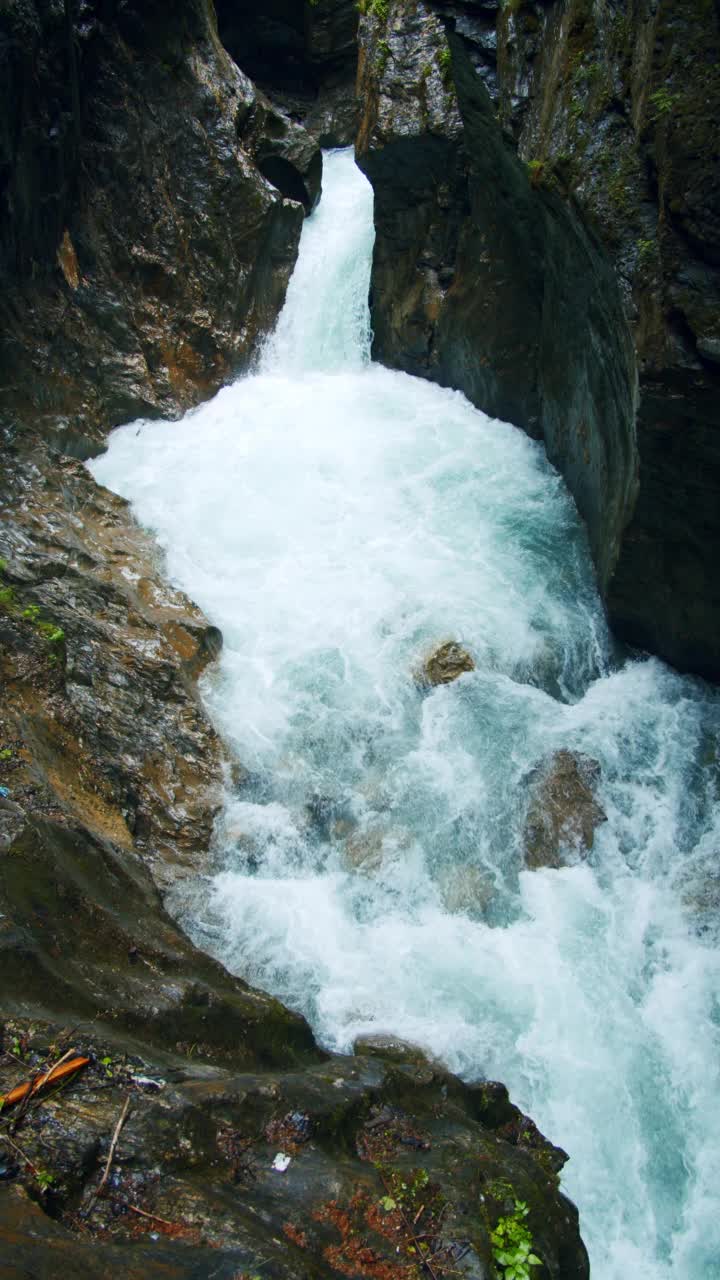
336 520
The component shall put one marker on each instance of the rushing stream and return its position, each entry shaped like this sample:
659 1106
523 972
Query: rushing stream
337 520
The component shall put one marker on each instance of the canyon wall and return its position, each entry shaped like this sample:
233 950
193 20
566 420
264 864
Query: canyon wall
546 179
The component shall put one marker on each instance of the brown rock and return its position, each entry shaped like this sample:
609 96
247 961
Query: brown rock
445 664
563 813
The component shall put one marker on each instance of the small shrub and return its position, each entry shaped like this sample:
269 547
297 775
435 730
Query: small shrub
512 1245
647 251
663 101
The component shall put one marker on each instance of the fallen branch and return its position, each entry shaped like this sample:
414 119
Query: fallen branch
38 1082
155 1216
31 1087
111 1154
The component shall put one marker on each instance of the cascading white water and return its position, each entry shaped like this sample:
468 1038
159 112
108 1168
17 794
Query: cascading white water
337 520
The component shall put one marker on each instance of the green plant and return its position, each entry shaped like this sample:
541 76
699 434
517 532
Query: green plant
6 753
383 55
52 633
512 1245
663 101
7 597
32 613
44 1179
377 8
646 252
586 72
444 61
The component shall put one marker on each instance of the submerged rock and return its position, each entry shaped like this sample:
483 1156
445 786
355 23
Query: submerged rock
446 663
563 814
467 890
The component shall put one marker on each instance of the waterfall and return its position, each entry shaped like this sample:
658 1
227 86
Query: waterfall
337 520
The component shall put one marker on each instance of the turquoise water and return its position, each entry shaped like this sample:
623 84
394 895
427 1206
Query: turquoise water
337 520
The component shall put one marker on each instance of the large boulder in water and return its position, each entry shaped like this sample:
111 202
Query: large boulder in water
444 664
563 813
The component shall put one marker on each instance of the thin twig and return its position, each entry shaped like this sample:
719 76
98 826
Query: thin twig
21 1153
155 1216
111 1152
35 1085
40 1080
40 1102
424 1261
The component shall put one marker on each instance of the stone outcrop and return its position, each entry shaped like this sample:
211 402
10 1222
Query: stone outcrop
143 252
619 109
563 813
546 187
86 720
192 1191
444 665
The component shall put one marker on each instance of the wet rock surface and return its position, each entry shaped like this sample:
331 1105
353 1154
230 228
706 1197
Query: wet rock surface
563 814
101 721
446 663
617 109
372 1141
546 206
143 251
483 282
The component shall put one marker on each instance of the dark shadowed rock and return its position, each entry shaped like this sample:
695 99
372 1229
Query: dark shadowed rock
304 54
143 251
481 280
563 814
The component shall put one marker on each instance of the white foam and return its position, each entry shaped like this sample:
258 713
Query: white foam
336 519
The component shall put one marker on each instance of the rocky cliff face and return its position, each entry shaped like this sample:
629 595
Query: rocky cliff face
546 193
143 251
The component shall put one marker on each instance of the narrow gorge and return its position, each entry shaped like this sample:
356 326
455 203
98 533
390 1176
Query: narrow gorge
358 408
